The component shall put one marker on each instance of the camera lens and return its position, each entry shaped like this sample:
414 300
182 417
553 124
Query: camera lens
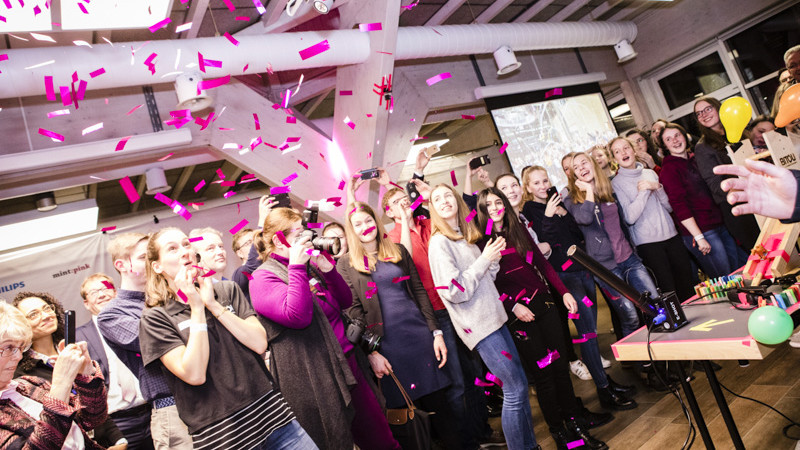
332 245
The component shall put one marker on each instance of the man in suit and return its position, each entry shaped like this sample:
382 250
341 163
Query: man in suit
126 405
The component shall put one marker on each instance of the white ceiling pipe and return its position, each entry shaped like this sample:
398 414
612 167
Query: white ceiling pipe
281 52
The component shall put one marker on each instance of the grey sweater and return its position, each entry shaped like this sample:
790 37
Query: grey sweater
476 312
646 212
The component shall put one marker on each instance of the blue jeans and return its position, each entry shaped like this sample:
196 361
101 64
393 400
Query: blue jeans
581 284
633 272
724 256
289 437
517 421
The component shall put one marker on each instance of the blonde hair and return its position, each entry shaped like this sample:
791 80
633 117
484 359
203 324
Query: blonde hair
602 185
122 246
527 196
157 291
279 219
439 225
387 250
197 232
92 277
14 326
612 163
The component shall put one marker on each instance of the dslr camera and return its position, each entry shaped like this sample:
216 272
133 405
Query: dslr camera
332 245
357 333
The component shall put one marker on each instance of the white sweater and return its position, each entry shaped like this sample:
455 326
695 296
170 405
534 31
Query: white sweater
646 212
477 311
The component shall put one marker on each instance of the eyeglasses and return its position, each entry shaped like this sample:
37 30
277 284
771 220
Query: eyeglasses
397 201
639 140
244 244
36 314
96 292
7 352
704 111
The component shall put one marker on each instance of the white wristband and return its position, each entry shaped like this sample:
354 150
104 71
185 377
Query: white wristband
437 333
698 237
198 327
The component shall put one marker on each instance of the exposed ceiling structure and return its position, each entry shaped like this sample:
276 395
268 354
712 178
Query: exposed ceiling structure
251 128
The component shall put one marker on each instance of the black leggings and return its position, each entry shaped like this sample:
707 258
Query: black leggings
442 422
553 384
670 265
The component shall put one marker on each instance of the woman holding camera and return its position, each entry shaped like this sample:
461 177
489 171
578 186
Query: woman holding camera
401 331
301 304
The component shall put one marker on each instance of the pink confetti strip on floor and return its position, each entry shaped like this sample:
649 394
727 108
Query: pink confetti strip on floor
365 27
51 134
243 223
129 189
314 50
503 148
97 72
437 78
155 27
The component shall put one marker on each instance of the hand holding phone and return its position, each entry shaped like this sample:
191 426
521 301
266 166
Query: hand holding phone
69 327
368 174
480 161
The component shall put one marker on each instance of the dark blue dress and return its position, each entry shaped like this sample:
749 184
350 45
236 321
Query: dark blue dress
407 342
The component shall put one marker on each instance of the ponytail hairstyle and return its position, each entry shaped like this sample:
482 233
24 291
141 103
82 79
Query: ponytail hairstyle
278 219
439 225
157 290
515 233
387 250
602 185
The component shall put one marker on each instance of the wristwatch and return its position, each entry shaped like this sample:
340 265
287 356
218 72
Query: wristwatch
437 333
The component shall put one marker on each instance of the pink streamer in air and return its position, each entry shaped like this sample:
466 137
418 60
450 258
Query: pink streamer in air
508 251
437 78
566 264
503 148
229 5
574 316
210 84
104 229
400 279
231 39
506 354
529 257
490 377
468 116
455 283
552 355
453 178
314 50
258 124
51 134
552 92
121 143
290 119
368 231
575 444
416 203
182 296
97 72
365 27
289 179
479 382
66 96
282 238
345 92
49 89
150 64
349 123
366 263
587 302
196 238
280 190
200 185
471 216
159 25
134 109
238 226
489 226
130 191
60 112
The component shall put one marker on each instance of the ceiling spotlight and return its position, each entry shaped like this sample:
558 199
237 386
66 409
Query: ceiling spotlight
625 51
323 6
46 201
156 181
506 60
189 97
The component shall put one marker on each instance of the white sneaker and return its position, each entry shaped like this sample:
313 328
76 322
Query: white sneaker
606 363
795 340
579 369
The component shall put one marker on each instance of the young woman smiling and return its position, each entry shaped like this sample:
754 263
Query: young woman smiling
557 226
604 161
646 152
210 342
700 219
592 203
471 298
646 209
523 283
710 152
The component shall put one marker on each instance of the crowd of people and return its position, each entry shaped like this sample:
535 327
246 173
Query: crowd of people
305 349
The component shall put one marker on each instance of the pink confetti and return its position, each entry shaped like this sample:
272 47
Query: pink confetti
552 355
282 238
280 190
182 296
210 84
228 194
413 386
290 119
489 226
104 229
349 123
400 279
289 179
341 185
49 89
416 203
134 109
229 5
490 377
552 92
255 119
437 78
453 178
575 444
529 257
566 265
468 117
242 18
573 316
315 225
207 273
196 206
238 226
314 50
92 129
160 25
441 287
366 263
150 65
231 39
66 96
130 191
121 143
51 134
368 231
164 158
365 27
248 275
259 7
467 330
470 216
503 148
579 341
506 354
587 302
455 283
200 185
522 333
479 382
97 72
508 251
345 92
305 166
196 238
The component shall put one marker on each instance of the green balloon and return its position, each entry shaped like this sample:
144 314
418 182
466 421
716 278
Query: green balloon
770 325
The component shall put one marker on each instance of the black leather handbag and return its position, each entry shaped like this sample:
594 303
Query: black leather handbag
410 426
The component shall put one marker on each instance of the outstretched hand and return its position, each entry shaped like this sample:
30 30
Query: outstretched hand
762 188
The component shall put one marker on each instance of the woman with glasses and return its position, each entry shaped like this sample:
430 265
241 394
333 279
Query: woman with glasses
645 151
710 152
35 413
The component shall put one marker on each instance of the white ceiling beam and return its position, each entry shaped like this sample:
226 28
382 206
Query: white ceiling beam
529 13
568 10
628 11
444 12
197 10
275 8
600 10
493 10
284 22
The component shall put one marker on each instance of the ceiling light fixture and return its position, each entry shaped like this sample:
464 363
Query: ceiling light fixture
323 6
46 201
189 97
31 227
156 181
506 60
625 51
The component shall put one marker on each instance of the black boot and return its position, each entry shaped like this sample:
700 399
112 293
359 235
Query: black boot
613 400
627 391
560 437
589 420
581 433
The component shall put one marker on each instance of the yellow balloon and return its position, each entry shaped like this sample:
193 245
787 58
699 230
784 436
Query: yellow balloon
735 114
789 107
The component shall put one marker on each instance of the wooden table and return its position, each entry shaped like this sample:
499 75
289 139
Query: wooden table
715 331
